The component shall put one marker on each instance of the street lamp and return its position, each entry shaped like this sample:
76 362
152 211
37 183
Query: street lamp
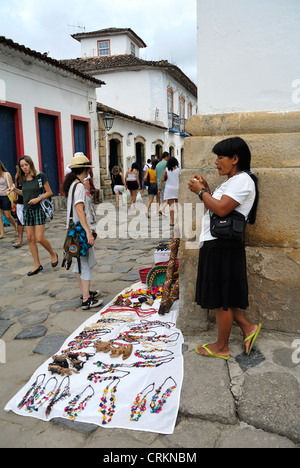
108 121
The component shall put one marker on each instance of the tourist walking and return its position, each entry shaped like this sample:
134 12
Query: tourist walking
6 185
34 216
80 201
132 183
171 177
222 274
159 170
18 200
152 187
118 184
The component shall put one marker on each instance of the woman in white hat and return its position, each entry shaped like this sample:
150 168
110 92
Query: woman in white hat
84 213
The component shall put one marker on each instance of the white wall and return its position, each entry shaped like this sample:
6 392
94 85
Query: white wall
31 85
248 55
119 45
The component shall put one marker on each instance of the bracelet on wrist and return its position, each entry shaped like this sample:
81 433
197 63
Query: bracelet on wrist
200 194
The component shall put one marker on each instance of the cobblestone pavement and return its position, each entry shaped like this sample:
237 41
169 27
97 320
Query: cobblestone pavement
245 402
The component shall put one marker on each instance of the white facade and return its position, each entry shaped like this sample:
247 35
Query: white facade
248 55
139 89
35 87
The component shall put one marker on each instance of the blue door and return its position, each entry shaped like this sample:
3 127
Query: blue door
8 146
48 144
80 135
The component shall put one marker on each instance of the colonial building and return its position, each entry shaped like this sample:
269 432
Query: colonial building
47 110
150 100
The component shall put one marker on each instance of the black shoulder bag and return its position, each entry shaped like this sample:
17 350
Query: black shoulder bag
232 226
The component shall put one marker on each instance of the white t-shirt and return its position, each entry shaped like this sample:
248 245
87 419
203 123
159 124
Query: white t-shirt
81 196
239 187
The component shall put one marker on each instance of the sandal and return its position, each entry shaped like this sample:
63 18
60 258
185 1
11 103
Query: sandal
210 354
253 337
17 245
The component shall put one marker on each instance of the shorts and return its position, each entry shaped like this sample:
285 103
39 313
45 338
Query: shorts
132 185
20 215
152 189
34 217
119 188
5 204
87 264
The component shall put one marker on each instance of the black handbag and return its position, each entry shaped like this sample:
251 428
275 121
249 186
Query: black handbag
231 226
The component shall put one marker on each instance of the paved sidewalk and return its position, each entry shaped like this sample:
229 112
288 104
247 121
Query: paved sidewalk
245 402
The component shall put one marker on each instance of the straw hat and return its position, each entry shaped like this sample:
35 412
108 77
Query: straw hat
80 160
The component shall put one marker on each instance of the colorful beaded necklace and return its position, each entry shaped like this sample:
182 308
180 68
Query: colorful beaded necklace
71 411
149 363
44 398
59 395
34 389
141 354
108 412
156 406
139 405
97 376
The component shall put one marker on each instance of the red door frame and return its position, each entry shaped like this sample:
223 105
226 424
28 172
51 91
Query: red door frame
18 126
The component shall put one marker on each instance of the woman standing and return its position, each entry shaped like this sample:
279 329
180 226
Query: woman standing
6 185
84 213
222 276
34 216
171 177
132 183
18 200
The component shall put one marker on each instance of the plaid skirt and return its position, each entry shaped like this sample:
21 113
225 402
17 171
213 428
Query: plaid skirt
34 217
222 275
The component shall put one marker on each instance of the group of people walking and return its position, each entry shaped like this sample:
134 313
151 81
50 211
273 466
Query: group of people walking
222 274
160 176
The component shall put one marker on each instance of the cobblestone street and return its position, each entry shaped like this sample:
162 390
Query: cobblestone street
247 402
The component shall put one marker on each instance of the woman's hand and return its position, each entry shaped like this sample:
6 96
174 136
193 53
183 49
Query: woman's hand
90 238
34 201
197 183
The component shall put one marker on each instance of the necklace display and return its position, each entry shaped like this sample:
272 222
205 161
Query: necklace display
141 354
131 337
71 410
157 405
139 405
108 412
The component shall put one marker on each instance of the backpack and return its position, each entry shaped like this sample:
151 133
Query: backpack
72 241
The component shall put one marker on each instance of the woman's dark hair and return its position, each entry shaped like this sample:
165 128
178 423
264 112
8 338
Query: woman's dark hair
236 146
172 162
154 163
69 179
135 166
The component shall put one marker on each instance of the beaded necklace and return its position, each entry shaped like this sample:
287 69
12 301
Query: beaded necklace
130 337
44 398
107 413
59 395
139 405
156 406
149 363
141 354
71 410
97 376
34 389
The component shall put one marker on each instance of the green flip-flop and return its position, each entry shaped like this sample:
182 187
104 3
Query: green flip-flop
210 354
253 337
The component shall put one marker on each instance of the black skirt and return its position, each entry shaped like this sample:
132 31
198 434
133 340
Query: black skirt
222 275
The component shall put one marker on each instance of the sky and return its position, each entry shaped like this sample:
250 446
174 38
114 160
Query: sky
168 27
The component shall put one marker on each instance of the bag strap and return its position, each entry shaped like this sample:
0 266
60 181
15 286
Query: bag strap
72 201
